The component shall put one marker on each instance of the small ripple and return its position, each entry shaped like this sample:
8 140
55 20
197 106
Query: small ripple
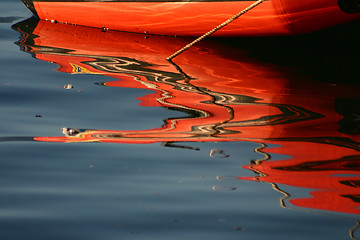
224 188
9 19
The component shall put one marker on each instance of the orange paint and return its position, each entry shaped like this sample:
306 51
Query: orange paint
273 17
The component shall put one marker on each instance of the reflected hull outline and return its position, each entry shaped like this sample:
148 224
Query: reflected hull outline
224 99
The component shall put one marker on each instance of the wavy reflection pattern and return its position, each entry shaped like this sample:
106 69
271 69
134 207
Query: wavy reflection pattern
227 96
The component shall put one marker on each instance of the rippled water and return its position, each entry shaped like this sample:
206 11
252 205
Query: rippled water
101 138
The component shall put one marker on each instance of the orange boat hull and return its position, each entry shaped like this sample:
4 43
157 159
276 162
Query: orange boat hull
194 18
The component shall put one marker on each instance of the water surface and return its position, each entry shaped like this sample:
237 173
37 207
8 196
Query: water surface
102 138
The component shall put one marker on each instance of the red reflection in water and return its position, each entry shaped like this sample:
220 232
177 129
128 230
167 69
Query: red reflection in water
331 172
227 98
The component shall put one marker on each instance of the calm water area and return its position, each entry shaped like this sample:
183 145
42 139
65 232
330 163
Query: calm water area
102 138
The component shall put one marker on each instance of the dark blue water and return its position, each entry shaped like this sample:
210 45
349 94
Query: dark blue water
101 190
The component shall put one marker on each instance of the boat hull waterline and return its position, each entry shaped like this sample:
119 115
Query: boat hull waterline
196 17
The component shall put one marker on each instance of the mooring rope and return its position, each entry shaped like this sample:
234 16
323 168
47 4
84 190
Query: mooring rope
215 29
